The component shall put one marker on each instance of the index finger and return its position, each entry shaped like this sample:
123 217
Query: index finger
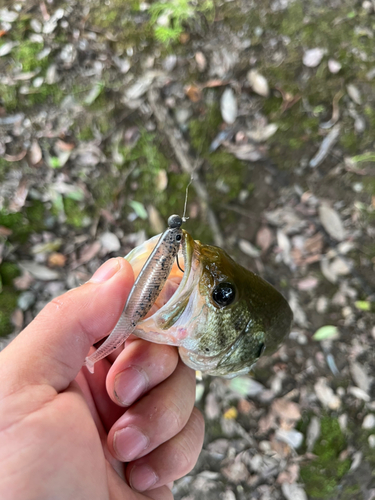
52 349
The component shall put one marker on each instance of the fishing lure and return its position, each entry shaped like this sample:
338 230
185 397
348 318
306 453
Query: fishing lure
145 290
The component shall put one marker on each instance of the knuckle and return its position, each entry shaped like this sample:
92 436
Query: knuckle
175 416
190 442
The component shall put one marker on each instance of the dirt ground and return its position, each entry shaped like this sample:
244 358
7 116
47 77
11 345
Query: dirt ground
105 110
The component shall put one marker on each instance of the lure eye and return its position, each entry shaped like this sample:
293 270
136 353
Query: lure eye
178 237
224 294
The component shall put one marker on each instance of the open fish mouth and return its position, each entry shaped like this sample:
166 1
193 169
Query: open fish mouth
177 282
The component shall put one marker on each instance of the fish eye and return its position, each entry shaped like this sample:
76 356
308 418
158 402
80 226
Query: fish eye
260 350
224 294
178 237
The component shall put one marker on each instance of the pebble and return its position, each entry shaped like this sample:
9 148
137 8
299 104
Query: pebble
26 300
293 491
313 57
110 242
334 66
368 421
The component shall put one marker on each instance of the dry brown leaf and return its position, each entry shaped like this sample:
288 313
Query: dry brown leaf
264 238
19 157
20 196
184 38
214 83
287 410
64 146
194 93
201 61
57 259
89 252
23 282
314 244
35 153
5 231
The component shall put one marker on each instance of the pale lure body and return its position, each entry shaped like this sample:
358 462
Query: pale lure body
145 291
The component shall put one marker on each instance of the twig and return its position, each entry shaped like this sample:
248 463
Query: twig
180 149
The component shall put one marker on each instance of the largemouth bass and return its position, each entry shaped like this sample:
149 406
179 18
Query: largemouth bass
221 316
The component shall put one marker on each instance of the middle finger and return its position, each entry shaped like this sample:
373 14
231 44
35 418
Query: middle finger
156 418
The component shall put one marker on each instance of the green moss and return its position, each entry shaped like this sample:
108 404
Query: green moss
34 213
25 54
17 223
227 167
75 215
52 94
322 475
204 129
178 13
8 97
349 141
85 133
8 303
8 271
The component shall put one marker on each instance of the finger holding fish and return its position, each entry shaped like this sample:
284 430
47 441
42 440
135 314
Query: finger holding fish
138 368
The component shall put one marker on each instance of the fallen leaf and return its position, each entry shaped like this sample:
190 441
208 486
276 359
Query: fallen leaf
331 222
228 106
258 83
247 248
7 47
88 252
35 153
246 386
231 413
57 259
354 94
287 410
326 395
5 231
363 305
201 61
326 332
236 472
264 238
308 284
139 209
39 271
194 93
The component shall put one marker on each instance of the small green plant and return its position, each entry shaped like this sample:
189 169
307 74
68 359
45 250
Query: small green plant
168 17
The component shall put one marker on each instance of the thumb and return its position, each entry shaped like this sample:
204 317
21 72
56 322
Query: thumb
52 349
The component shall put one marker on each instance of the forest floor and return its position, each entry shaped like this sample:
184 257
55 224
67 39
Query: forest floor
105 108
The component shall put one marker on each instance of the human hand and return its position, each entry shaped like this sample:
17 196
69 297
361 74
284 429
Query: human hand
66 434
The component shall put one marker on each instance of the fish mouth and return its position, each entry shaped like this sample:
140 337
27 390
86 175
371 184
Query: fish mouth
177 282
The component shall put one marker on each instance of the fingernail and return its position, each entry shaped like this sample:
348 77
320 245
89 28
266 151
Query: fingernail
129 443
105 271
142 477
129 385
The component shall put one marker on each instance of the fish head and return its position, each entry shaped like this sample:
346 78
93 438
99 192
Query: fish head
222 316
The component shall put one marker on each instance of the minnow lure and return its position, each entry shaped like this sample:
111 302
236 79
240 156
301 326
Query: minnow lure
145 290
